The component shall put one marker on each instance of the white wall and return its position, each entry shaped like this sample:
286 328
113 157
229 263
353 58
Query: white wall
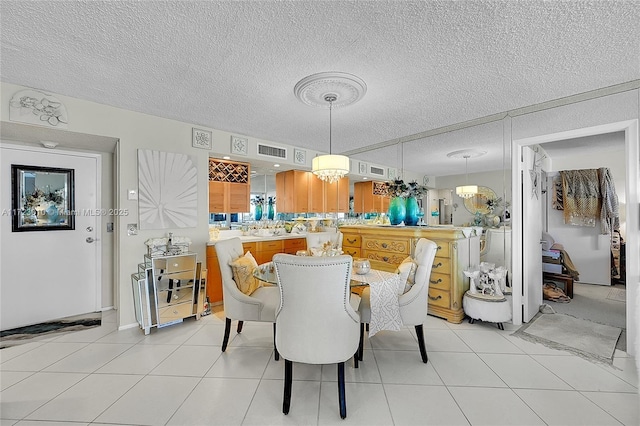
589 250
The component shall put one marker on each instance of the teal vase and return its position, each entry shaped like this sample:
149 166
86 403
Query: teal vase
270 212
397 210
258 213
412 208
52 213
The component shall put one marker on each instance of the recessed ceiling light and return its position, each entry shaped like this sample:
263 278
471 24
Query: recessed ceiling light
49 144
276 165
253 171
226 157
365 178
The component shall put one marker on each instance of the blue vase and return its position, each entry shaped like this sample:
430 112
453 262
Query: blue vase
412 208
270 212
258 213
397 210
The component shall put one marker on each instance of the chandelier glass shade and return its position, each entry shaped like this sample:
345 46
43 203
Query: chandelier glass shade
466 190
331 167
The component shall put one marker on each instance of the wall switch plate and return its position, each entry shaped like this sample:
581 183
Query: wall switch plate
110 227
132 194
132 229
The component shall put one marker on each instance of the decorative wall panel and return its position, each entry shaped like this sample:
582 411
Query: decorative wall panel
168 190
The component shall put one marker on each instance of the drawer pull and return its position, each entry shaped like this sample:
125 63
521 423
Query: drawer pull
436 282
437 266
175 265
385 258
436 298
352 241
439 247
384 245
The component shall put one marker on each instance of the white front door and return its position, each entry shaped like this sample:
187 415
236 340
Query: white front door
46 275
531 187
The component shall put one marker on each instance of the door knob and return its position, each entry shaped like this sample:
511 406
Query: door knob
89 240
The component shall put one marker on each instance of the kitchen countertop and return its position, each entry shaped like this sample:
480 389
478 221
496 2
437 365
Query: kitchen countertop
225 235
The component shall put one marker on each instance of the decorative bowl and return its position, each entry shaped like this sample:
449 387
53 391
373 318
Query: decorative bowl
361 266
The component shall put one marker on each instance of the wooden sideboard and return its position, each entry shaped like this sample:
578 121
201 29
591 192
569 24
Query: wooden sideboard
458 249
262 251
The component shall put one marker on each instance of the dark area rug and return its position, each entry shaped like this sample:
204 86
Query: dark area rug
20 335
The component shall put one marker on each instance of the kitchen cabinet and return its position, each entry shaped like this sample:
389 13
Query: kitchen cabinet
292 191
458 249
262 251
370 197
228 197
302 192
229 188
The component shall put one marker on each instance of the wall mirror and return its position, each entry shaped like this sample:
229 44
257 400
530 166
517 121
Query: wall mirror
42 198
478 203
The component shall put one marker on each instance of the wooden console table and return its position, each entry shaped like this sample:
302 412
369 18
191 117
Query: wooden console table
458 249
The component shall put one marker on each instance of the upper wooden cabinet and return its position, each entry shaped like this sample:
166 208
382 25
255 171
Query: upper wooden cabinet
370 196
336 196
292 191
229 189
302 192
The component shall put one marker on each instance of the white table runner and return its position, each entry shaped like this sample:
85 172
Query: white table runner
385 287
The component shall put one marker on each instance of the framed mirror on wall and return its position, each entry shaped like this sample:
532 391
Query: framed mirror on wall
481 202
42 198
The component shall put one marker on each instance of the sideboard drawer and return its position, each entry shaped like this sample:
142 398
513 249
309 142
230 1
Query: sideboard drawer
351 240
386 244
382 256
443 249
440 281
351 251
439 297
441 265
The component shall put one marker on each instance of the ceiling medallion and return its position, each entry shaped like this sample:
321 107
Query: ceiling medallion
347 89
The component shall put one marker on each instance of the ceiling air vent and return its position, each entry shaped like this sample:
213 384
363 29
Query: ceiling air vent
272 151
376 171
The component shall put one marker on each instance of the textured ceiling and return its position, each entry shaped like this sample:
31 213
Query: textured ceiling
233 65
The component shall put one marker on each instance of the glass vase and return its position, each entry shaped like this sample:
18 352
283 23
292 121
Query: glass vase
413 209
270 212
258 212
397 210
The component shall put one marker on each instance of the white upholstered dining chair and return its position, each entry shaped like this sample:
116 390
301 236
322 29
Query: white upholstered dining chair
259 306
317 239
315 321
413 303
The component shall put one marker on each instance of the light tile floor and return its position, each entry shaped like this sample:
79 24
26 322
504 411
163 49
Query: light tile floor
476 375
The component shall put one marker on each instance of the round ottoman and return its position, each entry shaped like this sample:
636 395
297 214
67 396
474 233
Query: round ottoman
487 308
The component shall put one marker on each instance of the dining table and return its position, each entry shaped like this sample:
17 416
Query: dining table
384 290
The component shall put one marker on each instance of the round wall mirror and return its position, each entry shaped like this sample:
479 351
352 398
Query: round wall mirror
478 203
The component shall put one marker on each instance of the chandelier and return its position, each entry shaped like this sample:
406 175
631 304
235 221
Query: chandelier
466 190
338 89
330 168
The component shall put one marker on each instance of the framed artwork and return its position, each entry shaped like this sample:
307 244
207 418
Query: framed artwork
42 198
167 190
299 156
362 168
35 107
239 145
201 139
